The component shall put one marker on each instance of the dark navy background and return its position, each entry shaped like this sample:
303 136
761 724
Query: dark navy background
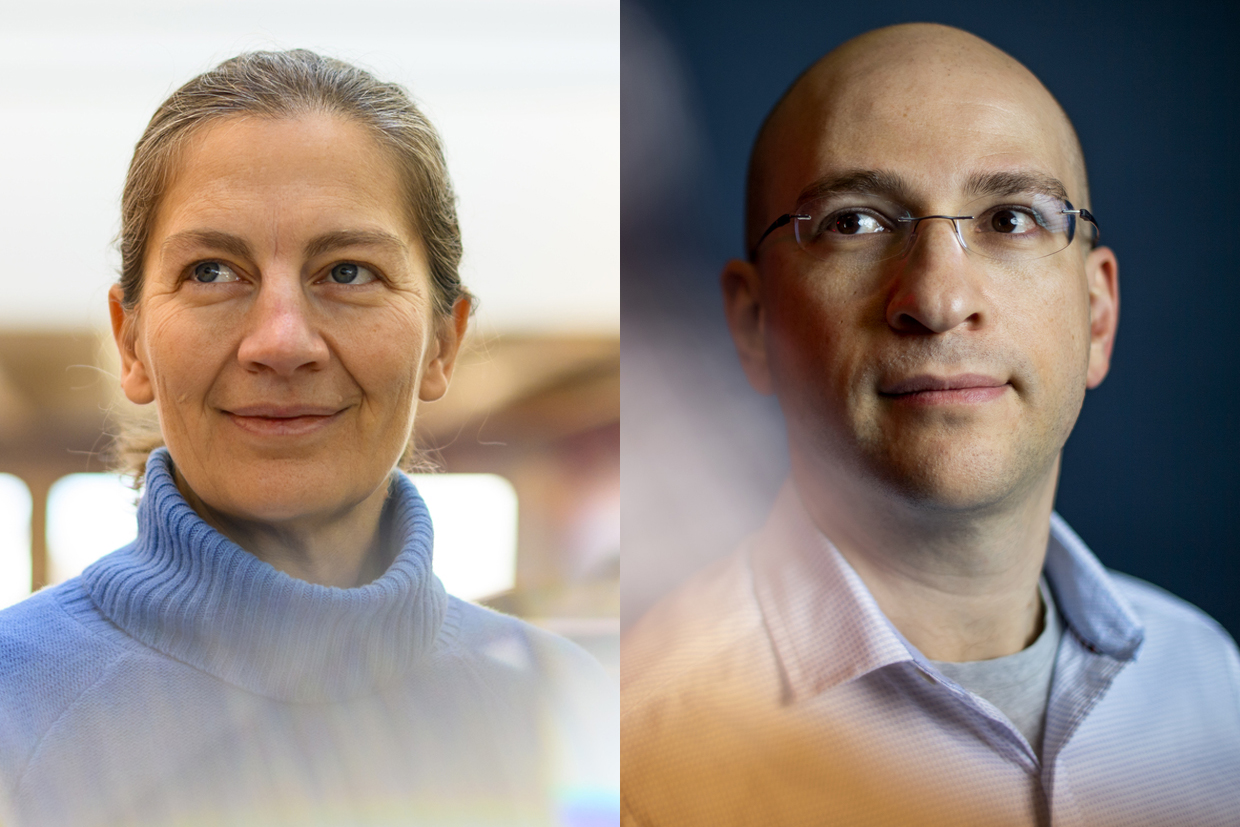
1151 474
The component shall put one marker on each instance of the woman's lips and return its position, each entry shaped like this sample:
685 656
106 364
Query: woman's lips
928 390
266 421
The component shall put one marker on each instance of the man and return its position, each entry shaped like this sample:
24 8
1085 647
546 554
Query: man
914 637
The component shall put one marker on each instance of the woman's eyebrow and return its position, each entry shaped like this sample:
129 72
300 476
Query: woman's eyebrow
236 246
337 239
211 239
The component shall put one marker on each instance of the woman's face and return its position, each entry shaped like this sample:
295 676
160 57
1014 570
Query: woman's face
285 329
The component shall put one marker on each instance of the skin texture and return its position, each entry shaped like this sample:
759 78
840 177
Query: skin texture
941 504
286 398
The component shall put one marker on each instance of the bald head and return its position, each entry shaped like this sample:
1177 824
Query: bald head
905 96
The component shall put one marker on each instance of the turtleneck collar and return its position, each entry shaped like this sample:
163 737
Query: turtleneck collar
187 591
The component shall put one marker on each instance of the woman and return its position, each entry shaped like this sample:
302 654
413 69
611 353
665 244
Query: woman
273 648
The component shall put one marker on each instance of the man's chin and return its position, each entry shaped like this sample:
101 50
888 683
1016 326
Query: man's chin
949 497
974 484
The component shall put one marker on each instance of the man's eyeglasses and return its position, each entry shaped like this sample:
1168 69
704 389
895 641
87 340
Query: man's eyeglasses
863 229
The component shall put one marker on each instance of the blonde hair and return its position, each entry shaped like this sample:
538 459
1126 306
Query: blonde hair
287 85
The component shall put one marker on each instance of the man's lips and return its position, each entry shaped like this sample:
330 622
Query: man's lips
282 420
927 389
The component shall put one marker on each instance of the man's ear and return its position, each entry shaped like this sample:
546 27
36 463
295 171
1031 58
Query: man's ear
1102 273
742 304
135 381
444 349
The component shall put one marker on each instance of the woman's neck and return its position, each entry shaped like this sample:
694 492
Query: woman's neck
344 549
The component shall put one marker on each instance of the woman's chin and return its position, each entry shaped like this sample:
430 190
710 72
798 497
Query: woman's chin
283 492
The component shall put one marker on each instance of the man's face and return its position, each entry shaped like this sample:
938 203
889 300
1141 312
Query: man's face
951 378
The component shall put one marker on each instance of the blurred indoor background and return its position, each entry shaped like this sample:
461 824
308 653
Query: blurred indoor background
1151 474
526 94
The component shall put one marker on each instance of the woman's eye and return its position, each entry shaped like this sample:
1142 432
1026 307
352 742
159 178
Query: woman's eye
854 223
209 272
350 273
1016 222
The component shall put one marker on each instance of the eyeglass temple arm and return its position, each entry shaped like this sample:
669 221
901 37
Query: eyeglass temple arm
1087 216
1083 213
779 222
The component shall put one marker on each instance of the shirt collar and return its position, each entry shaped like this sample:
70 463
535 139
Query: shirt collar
826 628
1094 609
823 621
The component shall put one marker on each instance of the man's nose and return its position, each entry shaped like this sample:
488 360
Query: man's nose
936 287
282 328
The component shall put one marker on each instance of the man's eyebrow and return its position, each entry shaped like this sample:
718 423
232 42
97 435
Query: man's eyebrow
1011 183
354 238
212 239
890 185
859 181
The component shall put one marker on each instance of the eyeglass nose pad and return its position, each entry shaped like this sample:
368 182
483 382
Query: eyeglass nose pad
910 235
959 235
915 223
910 238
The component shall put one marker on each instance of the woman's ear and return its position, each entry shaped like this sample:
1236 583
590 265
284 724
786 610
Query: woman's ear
134 379
444 349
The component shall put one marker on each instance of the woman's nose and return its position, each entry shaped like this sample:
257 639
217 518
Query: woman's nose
282 332
936 287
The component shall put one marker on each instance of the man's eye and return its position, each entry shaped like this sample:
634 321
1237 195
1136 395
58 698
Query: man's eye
350 273
854 223
209 272
1010 221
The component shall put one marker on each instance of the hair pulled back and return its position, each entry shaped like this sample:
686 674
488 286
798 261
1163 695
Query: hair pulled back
288 85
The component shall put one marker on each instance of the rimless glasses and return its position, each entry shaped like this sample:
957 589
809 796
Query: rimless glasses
863 229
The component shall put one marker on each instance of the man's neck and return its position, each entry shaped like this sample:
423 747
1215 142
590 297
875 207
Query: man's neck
958 586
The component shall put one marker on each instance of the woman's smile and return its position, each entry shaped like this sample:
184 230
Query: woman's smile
285 420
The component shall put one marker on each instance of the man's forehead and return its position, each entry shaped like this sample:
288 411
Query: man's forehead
935 105
937 143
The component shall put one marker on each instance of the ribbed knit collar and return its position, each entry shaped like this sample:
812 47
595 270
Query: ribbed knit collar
188 591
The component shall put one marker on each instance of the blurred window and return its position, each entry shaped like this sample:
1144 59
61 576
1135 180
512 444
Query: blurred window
88 515
14 540
475 518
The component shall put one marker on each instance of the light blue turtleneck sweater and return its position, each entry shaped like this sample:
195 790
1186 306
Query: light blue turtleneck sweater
181 680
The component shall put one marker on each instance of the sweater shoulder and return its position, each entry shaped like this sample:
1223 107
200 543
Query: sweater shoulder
53 641
530 670
53 647
497 643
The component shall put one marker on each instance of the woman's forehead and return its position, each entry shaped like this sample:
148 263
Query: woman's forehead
305 175
265 149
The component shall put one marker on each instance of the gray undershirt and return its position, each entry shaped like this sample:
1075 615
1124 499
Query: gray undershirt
1018 685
